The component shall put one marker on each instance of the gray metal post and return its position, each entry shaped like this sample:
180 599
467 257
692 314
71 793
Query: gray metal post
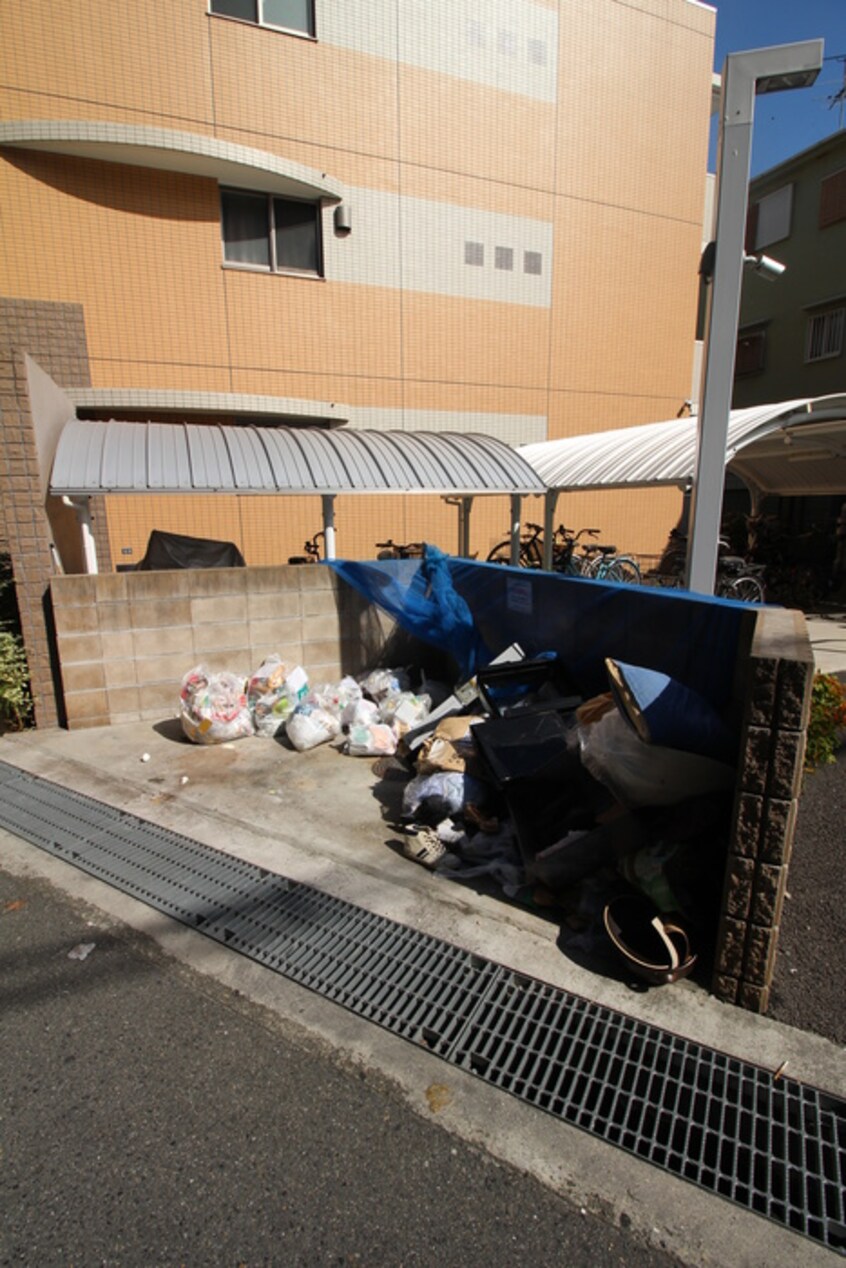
549 500
744 75
328 501
516 504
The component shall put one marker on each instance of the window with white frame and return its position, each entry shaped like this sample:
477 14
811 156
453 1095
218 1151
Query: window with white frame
284 15
825 335
278 235
774 213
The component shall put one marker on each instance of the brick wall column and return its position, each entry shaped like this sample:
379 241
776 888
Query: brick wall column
777 708
54 336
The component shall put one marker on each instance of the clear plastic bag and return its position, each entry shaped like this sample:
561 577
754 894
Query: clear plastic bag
640 774
360 712
309 725
336 697
373 739
385 682
213 707
273 692
405 710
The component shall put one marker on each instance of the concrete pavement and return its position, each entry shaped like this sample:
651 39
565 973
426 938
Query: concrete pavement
827 634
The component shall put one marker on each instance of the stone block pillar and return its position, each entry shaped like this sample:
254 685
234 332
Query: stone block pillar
777 705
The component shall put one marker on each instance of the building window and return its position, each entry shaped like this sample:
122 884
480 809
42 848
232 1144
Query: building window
504 258
474 253
537 52
751 350
772 218
532 262
833 199
476 34
825 335
281 235
507 43
284 15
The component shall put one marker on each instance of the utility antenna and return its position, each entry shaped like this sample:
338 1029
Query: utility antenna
838 98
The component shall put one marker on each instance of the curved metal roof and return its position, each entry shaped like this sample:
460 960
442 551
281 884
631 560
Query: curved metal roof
795 447
121 457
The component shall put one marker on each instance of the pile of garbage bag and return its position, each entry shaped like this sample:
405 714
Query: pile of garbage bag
278 701
561 802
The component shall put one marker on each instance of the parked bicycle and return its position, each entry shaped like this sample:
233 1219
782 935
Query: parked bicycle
397 550
570 555
737 577
312 551
603 563
531 549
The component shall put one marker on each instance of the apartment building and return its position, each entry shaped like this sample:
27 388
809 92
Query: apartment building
385 214
792 330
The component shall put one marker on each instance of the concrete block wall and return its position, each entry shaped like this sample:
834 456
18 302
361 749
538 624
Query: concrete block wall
777 705
125 640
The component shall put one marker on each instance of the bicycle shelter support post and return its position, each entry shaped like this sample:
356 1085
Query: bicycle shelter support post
82 506
516 505
464 505
328 500
549 501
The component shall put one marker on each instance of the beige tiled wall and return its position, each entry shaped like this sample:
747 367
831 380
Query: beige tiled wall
126 640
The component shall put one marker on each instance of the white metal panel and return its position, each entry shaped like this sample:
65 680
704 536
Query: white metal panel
665 453
95 457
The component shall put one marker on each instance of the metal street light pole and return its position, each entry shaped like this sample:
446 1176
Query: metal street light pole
745 75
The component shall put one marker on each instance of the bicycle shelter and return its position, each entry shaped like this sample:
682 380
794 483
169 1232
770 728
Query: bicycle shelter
95 457
793 448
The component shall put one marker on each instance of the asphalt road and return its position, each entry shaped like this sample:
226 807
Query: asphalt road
151 1116
808 984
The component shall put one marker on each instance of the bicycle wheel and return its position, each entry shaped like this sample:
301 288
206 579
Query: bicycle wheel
670 572
624 569
531 553
500 554
745 588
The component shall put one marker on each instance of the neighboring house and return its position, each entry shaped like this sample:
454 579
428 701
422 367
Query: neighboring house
390 214
792 330
791 334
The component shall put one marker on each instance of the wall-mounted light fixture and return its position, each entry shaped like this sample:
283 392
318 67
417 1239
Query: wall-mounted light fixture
764 265
343 219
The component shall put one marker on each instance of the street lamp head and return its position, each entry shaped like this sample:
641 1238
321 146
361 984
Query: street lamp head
793 79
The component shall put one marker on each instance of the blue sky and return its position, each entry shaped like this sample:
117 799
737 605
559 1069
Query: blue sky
786 122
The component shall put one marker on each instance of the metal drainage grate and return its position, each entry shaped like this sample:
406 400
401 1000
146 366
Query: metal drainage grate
774 1146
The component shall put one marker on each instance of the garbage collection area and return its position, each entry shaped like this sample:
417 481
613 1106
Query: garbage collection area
624 763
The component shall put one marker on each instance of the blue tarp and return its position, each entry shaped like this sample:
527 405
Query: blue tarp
420 596
473 611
